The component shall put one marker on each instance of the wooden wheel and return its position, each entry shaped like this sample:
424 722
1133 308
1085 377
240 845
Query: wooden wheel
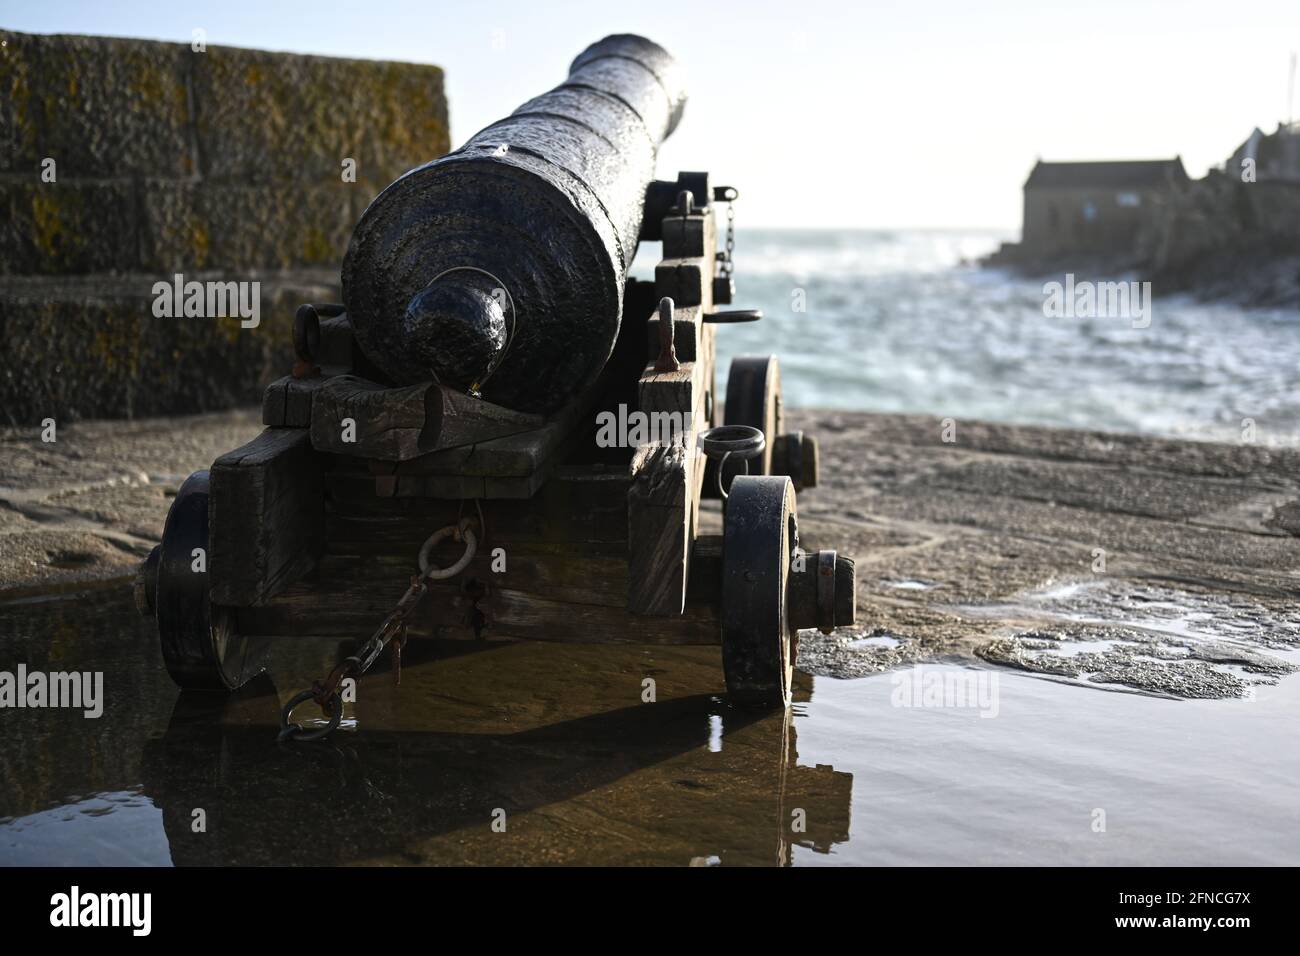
760 535
754 399
199 645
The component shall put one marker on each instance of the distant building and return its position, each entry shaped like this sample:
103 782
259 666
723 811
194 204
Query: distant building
1276 156
1094 207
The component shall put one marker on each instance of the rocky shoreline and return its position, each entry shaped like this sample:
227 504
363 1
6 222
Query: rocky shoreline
1260 278
1217 240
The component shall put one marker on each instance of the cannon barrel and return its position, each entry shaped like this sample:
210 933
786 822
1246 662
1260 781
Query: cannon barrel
499 268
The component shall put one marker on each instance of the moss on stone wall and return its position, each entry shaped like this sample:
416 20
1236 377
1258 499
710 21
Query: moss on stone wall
224 164
91 347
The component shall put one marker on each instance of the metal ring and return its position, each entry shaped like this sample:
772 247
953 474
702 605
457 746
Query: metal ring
433 573
306 333
290 731
743 441
721 490
723 441
306 328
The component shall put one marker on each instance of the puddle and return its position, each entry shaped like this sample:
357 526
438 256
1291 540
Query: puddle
553 739
1187 783
135 824
556 739
880 640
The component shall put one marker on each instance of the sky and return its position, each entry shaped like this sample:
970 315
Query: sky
823 113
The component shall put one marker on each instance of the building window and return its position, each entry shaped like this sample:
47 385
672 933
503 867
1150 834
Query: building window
1128 200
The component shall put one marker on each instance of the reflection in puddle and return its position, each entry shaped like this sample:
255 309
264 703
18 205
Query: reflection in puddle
133 821
556 738
552 743
1187 783
909 584
877 640
715 733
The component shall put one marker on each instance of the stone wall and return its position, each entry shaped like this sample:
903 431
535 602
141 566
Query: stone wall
124 162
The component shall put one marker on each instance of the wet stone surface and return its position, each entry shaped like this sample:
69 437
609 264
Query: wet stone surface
88 506
1118 656
1116 562
852 652
1157 640
976 565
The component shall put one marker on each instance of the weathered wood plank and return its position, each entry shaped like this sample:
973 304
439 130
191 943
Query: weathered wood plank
286 403
353 416
523 615
518 455
274 402
308 609
689 237
659 530
664 499
584 576
579 506
677 392
399 424
266 516
687 282
336 342
688 330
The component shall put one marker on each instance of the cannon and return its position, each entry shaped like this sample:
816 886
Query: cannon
499 435
500 267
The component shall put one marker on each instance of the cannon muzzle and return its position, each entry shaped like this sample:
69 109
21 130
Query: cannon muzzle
499 268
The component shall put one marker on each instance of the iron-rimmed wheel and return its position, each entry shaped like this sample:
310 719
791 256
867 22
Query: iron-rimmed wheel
754 399
760 535
200 647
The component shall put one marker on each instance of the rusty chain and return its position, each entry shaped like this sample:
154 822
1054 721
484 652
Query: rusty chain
393 630
726 259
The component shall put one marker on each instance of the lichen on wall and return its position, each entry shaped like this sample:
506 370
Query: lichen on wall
222 164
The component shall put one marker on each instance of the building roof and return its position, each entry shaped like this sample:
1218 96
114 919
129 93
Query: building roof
1277 154
1124 174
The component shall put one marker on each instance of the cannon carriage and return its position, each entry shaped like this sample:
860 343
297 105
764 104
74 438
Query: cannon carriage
473 444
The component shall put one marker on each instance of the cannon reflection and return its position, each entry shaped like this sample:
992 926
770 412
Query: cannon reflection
672 782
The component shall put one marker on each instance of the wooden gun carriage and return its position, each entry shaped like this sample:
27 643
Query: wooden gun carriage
579 523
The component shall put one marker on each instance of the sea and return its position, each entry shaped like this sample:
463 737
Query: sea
908 321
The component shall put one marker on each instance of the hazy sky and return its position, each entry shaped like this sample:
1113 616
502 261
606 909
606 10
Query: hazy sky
864 114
